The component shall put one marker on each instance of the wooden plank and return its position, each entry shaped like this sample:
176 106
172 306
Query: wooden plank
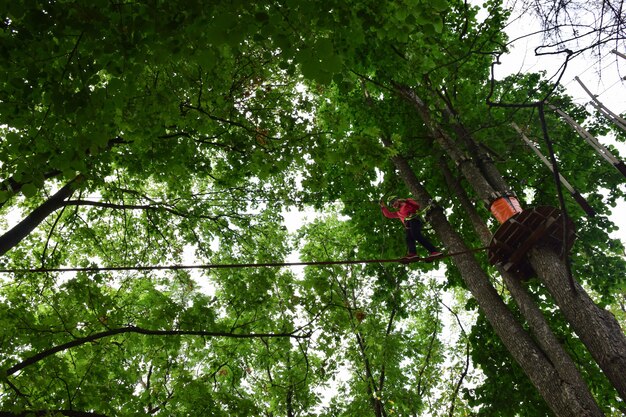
518 235
515 237
503 246
530 242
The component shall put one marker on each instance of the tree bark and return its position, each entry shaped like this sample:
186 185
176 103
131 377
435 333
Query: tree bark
481 229
482 159
483 188
537 323
14 187
597 328
34 219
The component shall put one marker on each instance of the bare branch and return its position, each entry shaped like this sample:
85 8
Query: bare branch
467 359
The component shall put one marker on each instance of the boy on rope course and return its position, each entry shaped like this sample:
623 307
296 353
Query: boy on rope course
406 210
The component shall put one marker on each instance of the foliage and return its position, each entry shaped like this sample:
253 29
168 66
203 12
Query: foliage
192 126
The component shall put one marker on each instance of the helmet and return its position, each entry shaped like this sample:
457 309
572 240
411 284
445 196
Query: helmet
392 199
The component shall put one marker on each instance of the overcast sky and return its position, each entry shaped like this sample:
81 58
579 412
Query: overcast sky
601 74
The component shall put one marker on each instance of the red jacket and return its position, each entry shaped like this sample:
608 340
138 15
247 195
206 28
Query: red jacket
407 209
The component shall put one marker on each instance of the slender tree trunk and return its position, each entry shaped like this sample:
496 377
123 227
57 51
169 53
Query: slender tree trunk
483 188
558 393
14 187
34 219
482 159
483 232
290 393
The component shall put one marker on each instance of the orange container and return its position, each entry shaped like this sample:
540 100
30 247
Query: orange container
505 207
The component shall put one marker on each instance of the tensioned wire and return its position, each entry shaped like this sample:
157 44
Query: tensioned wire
203 198
234 266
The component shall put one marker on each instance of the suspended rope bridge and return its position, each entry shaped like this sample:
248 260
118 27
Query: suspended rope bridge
234 266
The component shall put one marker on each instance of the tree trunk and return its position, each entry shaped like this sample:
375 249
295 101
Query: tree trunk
26 226
538 325
597 328
481 229
14 187
482 159
483 188
559 394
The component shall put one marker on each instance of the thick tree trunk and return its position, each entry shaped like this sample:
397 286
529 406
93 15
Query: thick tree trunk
26 226
597 328
563 364
561 396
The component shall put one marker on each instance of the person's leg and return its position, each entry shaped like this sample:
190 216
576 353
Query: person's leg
410 241
415 226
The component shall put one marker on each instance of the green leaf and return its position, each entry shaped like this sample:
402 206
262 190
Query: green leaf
262 17
195 127
29 190
439 5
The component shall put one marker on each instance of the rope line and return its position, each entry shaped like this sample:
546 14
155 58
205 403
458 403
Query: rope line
233 266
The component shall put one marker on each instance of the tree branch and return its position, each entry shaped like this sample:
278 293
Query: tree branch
38 215
45 413
12 186
467 359
156 207
148 332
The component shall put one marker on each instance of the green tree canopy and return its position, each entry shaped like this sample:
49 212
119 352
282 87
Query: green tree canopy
145 133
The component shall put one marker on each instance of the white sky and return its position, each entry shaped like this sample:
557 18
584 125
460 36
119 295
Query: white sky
603 77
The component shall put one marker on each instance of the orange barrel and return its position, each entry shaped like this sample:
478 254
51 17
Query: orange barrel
505 207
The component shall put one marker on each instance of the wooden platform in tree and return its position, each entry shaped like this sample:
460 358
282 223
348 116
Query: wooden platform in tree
515 237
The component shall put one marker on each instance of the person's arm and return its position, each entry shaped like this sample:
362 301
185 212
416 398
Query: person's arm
388 213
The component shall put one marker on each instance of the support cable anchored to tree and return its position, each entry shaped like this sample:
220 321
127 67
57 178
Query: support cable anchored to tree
575 194
604 110
233 266
591 140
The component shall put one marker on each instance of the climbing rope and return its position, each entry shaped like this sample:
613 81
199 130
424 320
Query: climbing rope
233 266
